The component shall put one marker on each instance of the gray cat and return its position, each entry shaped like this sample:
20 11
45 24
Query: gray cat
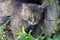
21 14
30 15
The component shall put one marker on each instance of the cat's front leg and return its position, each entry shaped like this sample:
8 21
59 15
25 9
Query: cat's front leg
15 25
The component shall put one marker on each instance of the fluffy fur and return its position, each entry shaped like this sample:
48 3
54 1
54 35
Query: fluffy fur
21 14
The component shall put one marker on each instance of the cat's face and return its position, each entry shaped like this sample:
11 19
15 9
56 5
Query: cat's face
32 13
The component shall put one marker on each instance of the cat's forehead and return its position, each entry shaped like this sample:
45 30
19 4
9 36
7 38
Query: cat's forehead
32 8
30 5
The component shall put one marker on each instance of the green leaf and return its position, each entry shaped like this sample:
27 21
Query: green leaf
56 37
30 38
29 33
1 28
42 37
23 30
23 37
2 36
9 38
4 25
48 38
17 32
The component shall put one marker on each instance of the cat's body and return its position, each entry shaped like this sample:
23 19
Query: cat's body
30 15
21 14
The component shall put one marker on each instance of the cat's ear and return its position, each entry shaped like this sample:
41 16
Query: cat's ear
42 6
24 6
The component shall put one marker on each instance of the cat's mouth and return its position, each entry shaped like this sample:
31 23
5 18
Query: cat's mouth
32 23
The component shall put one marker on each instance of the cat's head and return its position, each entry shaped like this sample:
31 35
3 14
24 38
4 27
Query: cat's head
32 13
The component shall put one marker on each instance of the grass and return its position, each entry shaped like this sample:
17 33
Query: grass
24 36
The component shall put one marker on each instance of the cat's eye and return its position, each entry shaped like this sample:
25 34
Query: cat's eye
29 19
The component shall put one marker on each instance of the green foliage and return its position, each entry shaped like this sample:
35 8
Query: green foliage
23 35
2 34
9 38
55 37
17 32
48 2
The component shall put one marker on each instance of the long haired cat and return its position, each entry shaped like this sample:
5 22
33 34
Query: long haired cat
21 14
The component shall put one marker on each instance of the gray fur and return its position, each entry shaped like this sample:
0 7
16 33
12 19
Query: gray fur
18 18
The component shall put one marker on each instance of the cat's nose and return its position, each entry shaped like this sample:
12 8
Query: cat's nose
34 23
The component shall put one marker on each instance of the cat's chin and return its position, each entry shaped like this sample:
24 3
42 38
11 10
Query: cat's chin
31 23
